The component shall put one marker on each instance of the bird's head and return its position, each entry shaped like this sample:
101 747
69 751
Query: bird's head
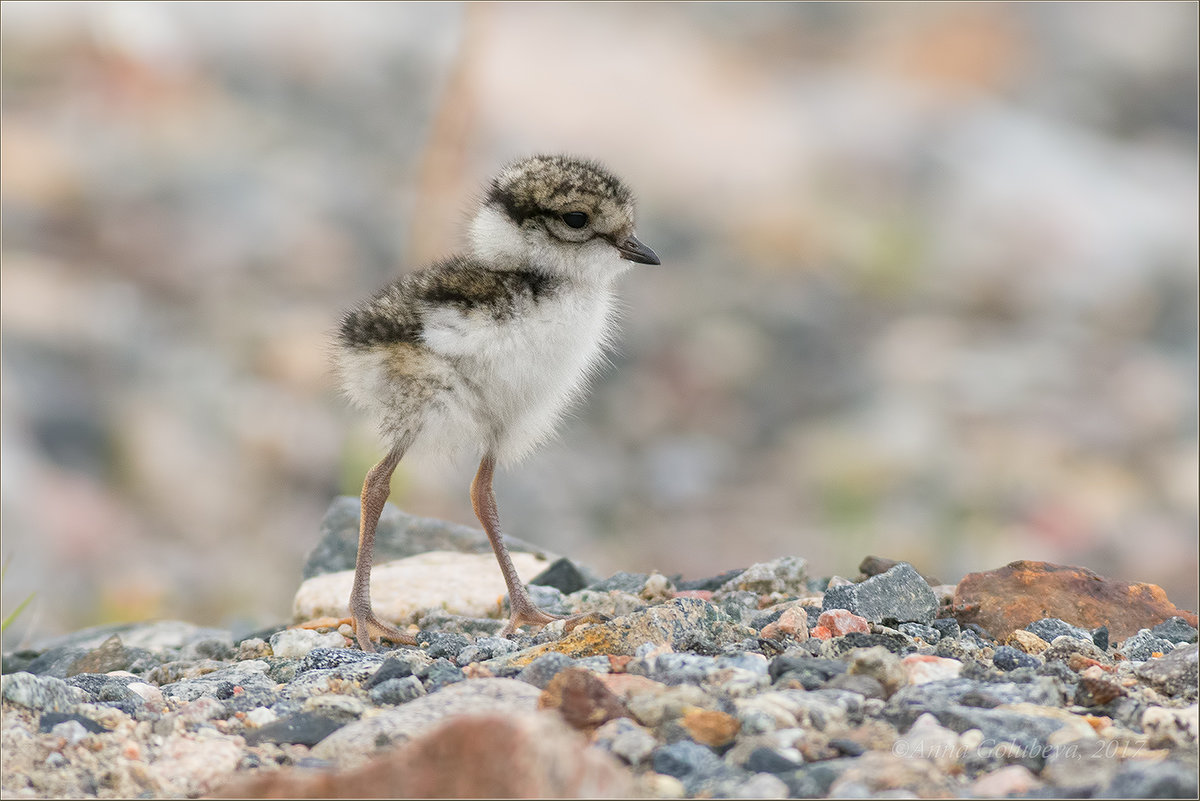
559 214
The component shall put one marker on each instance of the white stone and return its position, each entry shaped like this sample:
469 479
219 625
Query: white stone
403 590
296 643
260 716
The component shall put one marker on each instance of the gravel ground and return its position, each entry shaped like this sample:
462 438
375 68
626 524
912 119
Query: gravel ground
758 683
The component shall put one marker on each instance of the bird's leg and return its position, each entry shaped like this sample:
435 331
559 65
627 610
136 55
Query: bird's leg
375 492
524 612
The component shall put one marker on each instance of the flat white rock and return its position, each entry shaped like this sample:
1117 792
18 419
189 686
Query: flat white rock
405 589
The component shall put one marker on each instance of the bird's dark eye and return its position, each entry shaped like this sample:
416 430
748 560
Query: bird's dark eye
575 219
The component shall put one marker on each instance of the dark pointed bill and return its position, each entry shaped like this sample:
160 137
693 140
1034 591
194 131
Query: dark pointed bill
633 250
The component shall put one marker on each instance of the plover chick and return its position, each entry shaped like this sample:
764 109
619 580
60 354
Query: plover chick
483 351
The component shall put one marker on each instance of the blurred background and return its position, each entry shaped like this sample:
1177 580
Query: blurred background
929 284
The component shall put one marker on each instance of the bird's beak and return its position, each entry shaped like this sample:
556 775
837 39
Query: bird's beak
633 250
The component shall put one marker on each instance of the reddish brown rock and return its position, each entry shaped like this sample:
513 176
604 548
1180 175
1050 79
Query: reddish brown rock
474 756
792 624
838 623
582 699
1022 592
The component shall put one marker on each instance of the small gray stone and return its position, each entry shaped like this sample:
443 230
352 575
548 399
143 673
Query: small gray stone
439 674
1175 629
786 575
632 583
946 626
43 693
303 728
1051 628
919 631
686 760
545 667
441 644
1008 658
358 741
626 739
1145 643
899 594
1175 674
397 691
1138 778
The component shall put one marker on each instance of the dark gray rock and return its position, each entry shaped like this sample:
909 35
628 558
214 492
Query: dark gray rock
1144 644
1050 628
1008 658
900 594
396 691
946 626
540 671
895 642
1100 637
303 728
397 536
768 760
390 669
1175 629
51 719
811 672
563 575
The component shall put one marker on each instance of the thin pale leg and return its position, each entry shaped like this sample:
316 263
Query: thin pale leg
524 612
375 491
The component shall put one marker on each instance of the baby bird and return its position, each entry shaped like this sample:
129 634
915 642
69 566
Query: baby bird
484 351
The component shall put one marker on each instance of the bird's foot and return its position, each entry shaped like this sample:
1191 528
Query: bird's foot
368 627
524 613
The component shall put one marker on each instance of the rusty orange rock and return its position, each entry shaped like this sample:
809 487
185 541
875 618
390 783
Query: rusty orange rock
710 727
1022 592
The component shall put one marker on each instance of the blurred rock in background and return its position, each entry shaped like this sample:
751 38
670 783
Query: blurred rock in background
928 287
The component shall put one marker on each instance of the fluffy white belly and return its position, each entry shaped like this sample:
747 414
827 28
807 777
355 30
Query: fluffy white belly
515 375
